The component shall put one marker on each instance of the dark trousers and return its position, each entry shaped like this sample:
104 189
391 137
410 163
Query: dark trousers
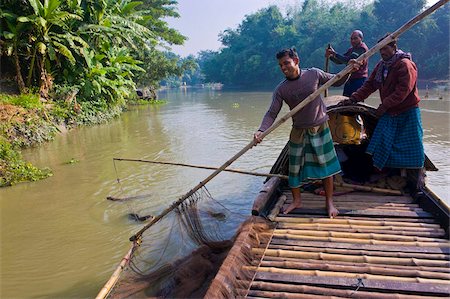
352 85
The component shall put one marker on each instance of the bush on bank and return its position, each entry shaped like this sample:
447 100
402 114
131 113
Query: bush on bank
26 121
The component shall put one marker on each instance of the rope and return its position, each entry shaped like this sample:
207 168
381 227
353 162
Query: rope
260 261
359 284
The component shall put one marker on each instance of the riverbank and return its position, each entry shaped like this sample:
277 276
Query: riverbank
26 121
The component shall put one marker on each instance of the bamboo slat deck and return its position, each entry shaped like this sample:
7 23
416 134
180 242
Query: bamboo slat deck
378 247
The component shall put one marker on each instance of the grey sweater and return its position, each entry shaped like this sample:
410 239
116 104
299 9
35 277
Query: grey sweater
295 91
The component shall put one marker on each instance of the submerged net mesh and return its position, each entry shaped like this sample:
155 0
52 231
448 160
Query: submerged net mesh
179 253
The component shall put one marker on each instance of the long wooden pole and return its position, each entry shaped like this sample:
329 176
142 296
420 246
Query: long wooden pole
327 62
296 109
271 175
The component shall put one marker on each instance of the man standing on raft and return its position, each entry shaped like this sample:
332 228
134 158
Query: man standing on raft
311 151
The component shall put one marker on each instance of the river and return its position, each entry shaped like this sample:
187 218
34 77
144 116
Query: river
61 238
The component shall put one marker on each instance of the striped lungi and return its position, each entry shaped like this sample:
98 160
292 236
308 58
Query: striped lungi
397 141
311 155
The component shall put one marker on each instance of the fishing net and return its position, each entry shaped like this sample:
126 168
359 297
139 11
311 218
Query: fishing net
176 256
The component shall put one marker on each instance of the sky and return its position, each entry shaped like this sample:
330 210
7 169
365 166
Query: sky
201 21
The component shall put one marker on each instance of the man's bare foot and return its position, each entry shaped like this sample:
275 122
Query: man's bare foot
294 205
332 211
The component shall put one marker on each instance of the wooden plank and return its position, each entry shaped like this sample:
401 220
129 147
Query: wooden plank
342 263
411 222
369 284
362 241
412 249
356 197
351 292
405 261
399 214
430 256
378 230
368 269
401 230
357 235
270 294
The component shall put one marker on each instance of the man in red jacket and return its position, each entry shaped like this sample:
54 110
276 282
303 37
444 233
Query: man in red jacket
397 139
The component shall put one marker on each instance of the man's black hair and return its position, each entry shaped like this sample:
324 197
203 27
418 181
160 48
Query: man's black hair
392 43
289 51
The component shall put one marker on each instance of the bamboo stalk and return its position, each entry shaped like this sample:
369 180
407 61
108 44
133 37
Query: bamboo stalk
297 291
358 206
352 258
277 207
354 221
363 241
115 276
372 236
322 226
432 256
369 269
370 229
319 273
255 294
284 177
379 230
343 263
327 61
203 167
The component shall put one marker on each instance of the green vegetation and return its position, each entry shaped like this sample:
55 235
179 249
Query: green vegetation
247 56
76 62
13 169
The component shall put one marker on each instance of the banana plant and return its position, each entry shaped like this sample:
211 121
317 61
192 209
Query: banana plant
51 37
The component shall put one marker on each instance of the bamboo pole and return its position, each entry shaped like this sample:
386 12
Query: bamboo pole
342 263
297 291
327 62
276 209
354 221
362 241
390 231
351 235
284 177
287 116
372 229
272 175
369 269
352 258
322 226
115 276
320 273
400 254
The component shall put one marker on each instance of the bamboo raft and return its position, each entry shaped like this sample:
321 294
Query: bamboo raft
379 246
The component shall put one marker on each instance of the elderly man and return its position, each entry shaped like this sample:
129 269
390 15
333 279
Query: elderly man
311 150
397 139
358 48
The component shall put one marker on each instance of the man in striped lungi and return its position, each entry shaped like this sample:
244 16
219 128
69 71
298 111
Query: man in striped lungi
397 139
311 151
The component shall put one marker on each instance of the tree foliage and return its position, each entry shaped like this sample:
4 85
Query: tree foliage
100 48
247 57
